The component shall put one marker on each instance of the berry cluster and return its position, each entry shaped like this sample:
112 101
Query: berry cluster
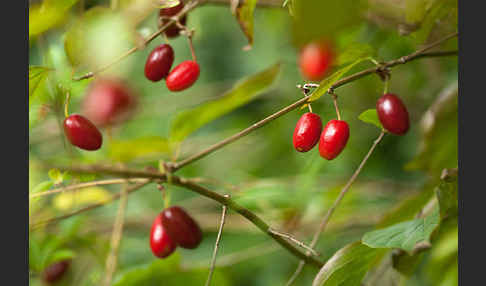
160 60
171 228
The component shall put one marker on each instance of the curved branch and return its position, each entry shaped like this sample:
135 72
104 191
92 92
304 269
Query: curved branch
187 184
421 53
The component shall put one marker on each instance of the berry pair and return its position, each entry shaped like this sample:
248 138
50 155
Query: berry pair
107 102
332 139
171 228
158 67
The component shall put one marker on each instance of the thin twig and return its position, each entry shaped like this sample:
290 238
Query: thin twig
338 200
116 236
296 241
189 6
89 184
216 246
88 208
402 60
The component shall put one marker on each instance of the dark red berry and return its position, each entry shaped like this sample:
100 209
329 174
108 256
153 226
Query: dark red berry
160 242
108 101
315 60
171 31
82 133
181 227
182 76
159 62
333 139
55 271
393 114
307 132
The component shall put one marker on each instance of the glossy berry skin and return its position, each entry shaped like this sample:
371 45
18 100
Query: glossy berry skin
172 31
82 133
108 101
55 271
159 62
333 139
160 242
393 114
182 76
315 59
183 230
307 132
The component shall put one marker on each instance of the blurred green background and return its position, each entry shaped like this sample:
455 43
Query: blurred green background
262 171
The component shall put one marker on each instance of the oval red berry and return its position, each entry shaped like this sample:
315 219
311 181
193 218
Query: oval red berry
315 59
393 114
82 133
182 76
55 271
183 230
333 139
108 101
160 242
159 62
307 132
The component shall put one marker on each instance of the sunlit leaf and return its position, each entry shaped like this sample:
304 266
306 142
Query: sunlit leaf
98 25
243 92
85 196
244 15
60 255
55 175
326 83
143 147
36 76
371 116
348 266
47 15
403 235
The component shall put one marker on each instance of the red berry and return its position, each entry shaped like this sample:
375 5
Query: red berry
315 59
181 227
55 271
333 139
108 101
160 242
82 133
182 76
159 62
393 114
307 132
171 31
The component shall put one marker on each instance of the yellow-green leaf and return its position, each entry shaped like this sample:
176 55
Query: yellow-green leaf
326 83
243 92
67 200
143 147
371 116
244 15
47 15
37 75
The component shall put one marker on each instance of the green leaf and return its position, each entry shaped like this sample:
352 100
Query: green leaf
98 25
243 92
143 147
60 255
348 266
415 10
446 194
353 52
403 235
371 116
167 272
55 175
37 75
325 84
47 15
44 186
244 16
